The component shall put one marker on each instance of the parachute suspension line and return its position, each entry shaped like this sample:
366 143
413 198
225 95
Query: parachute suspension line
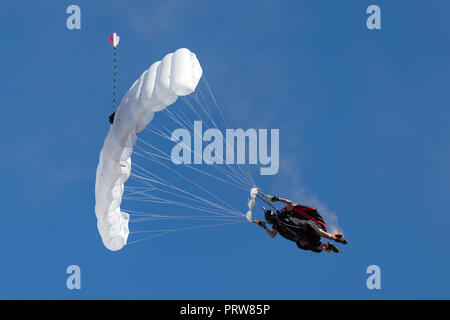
171 186
166 157
239 184
195 96
139 216
230 208
214 99
164 232
155 199
140 240
187 228
198 218
198 96
192 197
181 204
244 173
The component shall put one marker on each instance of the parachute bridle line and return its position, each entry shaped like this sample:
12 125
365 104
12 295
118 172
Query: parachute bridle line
114 81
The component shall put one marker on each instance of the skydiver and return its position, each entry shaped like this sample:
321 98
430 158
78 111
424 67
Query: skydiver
301 224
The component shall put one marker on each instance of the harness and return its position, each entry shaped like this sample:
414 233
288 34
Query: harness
307 213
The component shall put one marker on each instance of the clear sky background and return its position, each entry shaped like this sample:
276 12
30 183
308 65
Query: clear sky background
363 118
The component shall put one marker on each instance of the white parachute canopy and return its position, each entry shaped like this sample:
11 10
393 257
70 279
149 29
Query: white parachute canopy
177 74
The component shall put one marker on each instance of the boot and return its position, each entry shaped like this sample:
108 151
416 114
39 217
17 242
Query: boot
332 247
340 239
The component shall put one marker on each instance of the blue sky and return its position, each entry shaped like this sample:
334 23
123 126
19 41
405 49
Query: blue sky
363 118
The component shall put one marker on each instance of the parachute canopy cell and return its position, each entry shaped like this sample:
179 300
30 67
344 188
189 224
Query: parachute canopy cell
177 74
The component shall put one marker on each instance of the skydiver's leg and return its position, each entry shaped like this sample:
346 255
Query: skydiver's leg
337 237
326 235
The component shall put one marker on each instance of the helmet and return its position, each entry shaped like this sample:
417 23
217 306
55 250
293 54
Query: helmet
269 215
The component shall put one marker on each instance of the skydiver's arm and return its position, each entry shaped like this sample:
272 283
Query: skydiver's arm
272 233
289 203
262 224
